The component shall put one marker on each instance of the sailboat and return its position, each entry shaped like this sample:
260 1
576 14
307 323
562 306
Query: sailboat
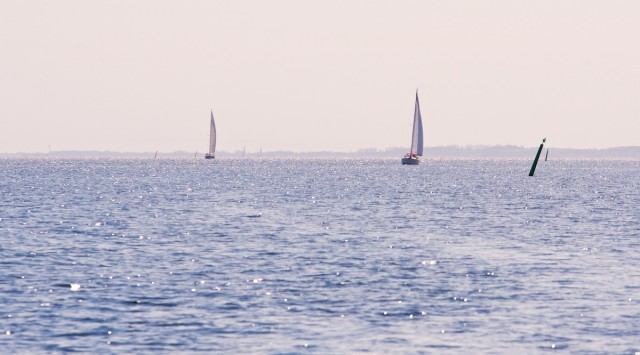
413 157
212 140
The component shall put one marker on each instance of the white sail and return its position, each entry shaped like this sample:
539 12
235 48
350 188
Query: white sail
416 140
212 136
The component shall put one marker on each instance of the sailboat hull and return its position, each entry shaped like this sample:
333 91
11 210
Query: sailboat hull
410 161
209 156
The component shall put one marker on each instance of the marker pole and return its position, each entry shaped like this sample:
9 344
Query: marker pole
535 161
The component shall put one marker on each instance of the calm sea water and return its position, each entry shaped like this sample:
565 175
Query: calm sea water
319 256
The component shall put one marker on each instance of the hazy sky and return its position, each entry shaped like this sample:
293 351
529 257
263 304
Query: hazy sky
137 75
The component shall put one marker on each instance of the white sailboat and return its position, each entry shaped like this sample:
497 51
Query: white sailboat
212 140
413 157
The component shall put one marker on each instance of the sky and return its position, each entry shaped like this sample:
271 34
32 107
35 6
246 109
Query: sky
331 75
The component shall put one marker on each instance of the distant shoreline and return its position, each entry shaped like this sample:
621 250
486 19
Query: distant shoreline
455 152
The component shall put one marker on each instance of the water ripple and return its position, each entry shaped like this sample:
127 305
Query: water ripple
321 256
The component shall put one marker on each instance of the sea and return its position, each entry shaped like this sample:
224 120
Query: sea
319 256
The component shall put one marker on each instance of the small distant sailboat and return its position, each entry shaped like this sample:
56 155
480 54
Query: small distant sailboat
412 158
212 140
546 156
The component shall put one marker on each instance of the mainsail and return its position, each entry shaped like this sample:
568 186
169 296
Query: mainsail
416 140
212 136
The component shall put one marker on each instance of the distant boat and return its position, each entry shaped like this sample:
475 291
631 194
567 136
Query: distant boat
413 157
546 155
212 140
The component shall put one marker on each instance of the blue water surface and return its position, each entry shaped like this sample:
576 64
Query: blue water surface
319 256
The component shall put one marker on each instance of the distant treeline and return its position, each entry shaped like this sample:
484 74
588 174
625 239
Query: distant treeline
460 152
